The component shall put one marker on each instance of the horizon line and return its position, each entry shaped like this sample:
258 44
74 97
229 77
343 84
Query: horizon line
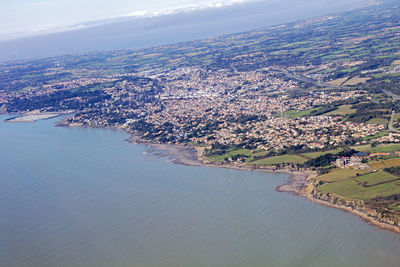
139 14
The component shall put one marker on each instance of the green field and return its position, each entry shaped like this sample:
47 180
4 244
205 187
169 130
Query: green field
356 80
395 207
374 178
385 148
339 81
380 121
349 70
380 134
342 110
382 164
296 113
363 148
350 188
233 153
313 155
340 174
379 148
280 160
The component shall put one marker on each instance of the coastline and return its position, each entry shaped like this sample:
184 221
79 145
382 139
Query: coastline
192 156
34 116
367 218
297 184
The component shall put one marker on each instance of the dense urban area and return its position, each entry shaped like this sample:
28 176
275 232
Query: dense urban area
319 94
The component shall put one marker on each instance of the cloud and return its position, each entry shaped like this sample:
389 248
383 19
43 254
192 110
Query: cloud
188 8
48 29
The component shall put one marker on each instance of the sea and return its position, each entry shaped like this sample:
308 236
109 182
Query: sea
143 32
87 197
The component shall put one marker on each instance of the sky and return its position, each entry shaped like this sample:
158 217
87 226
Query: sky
40 15
21 18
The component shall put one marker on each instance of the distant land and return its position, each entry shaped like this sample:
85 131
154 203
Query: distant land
141 32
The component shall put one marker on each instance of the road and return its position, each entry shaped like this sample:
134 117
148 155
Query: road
395 97
317 83
390 126
309 80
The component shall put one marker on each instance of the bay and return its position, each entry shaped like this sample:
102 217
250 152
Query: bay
86 197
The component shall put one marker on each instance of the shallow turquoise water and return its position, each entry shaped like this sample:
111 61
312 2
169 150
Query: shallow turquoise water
85 197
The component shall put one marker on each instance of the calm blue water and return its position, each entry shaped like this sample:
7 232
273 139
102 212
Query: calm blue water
84 197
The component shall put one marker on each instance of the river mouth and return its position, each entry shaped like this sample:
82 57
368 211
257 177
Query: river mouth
84 197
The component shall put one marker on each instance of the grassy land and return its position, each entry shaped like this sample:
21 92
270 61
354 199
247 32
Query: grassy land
349 70
342 110
397 117
362 148
339 81
385 148
350 188
395 207
378 148
229 154
340 174
356 80
280 160
296 114
313 155
380 134
382 164
380 121
375 178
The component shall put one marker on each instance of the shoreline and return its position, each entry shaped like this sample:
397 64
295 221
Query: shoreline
34 116
364 216
297 183
192 156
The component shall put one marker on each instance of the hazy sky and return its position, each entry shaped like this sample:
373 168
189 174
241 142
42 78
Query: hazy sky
37 15
23 15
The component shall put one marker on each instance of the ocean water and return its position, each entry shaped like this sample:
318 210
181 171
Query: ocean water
85 197
178 27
